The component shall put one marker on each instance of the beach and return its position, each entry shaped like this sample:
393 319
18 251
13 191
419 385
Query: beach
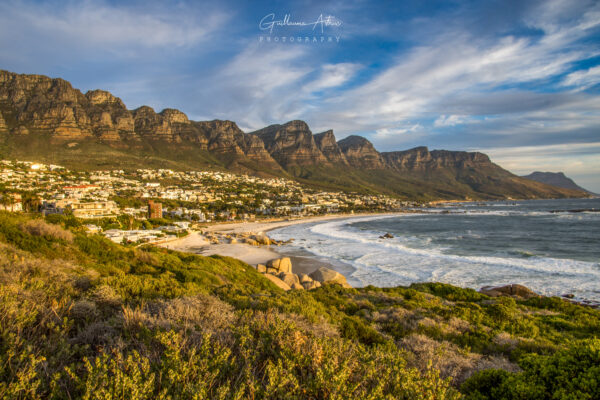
197 242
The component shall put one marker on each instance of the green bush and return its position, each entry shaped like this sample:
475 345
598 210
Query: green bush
354 328
88 318
571 373
448 292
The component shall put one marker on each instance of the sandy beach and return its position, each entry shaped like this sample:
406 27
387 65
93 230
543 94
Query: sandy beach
265 226
197 243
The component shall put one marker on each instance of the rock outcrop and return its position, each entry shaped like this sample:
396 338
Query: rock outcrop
327 276
513 290
291 144
3 126
278 282
290 279
421 159
280 264
360 153
279 271
327 144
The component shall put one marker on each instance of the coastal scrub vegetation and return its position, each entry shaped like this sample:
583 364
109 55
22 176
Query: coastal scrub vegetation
82 317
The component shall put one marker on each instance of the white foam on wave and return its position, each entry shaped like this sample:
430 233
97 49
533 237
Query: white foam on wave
391 262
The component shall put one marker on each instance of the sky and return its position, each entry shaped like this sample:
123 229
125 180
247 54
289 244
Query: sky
518 80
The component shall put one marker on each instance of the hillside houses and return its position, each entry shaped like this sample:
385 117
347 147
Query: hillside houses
199 196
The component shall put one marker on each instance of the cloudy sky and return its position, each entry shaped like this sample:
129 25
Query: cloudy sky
519 80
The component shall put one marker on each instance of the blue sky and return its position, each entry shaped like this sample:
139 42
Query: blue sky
519 80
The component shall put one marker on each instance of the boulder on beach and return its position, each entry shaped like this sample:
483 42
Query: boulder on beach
251 242
232 241
311 285
297 286
281 264
386 236
261 238
272 271
328 276
289 278
514 290
262 268
278 282
304 278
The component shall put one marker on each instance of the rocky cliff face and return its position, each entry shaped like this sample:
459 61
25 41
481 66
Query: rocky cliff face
360 153
291 144
38 103
3 126
41 105
421 159
327 144
35 106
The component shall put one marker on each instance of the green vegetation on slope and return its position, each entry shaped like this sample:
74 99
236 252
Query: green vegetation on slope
81 317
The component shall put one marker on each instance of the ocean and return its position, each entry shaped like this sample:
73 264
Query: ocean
550 246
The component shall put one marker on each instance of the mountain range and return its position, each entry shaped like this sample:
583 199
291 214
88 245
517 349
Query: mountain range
557 179
46 119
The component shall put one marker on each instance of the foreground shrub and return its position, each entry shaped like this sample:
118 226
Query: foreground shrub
40 227
572 373
89 318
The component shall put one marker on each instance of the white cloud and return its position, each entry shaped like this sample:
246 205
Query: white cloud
583 79
259 86
333 75
259 70
383 133
107 26
424 81
450 120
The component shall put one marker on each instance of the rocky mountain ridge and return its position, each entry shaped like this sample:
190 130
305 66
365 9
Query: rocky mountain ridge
558 179
36 107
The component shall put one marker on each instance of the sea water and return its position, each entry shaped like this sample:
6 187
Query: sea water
550 246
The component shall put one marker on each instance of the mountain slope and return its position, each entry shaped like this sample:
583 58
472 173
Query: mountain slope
36 107
48 120
557 179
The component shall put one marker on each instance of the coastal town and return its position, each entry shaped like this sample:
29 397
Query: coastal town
148 205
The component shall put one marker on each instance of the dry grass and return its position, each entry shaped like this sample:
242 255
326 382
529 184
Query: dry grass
504 339
146 257
449 359
322 328
84 310
106 297
202 313
38 227
99 334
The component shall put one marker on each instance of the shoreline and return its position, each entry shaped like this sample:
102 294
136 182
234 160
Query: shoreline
303 262
270 224
196 243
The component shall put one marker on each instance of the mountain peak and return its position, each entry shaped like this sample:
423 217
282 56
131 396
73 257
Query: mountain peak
327 144
360 152
101 97
558 179
174 116
291 144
